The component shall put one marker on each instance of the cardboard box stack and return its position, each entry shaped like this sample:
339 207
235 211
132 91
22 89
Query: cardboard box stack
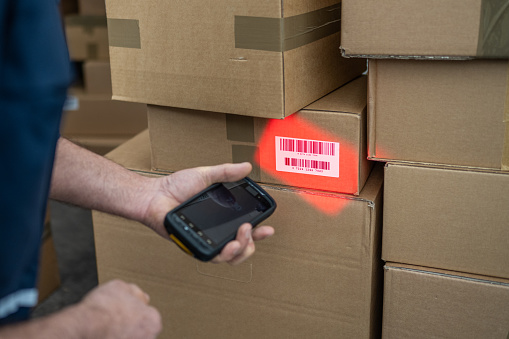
91 117
438 115
49 274
265 83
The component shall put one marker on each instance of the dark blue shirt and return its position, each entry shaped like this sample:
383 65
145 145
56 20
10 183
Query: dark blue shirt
34 76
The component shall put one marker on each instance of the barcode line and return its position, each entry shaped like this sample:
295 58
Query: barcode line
314 164
306 146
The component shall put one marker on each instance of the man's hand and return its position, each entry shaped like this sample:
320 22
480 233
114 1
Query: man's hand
118 309
113 310
172 190
88 180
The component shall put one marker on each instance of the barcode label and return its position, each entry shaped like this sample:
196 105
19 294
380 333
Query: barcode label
312 157
323 165
306 146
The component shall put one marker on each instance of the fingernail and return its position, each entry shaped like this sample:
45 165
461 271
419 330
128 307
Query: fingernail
248 233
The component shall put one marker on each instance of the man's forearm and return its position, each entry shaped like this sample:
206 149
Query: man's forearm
70 323
83 178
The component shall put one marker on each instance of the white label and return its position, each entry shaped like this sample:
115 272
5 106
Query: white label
304 156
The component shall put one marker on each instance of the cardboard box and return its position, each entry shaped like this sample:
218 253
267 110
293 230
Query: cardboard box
323 146
318 276
99 145
426 303
97 77
449 29
49 274
440 112
68 7
99 116
265 59
92 7
447 218
87 37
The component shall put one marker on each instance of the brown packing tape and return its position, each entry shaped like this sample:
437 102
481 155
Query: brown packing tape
240 128
505 155
284 34
494 29
242 153
124 33
303 29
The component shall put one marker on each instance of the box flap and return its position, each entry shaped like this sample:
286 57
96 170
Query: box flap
350 98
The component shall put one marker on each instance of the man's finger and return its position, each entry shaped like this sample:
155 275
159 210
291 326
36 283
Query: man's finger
227 172
236 248
262 232
138 292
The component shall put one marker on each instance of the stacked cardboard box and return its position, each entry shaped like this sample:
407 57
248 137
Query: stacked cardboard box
443 29
49 274
92 7
320 275
91 117
336 124
262 60
442 127
223 81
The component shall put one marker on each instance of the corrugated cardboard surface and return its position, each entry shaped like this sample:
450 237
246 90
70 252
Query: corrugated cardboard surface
97 77
49 274
98 115
419 303
319 276
87 37
443 112
436 28
447 218
182 138
99 145
184 54
92 7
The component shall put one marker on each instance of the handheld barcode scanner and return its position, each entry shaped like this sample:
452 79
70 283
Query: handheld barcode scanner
204 224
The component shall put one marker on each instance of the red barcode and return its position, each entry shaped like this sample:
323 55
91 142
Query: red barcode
315 164
306 146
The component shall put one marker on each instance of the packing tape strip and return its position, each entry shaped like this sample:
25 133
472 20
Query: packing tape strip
260 33
240 128
494 29
505 154
242 153
284 34
124 33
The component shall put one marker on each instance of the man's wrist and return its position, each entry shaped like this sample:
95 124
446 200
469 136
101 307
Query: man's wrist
85 321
